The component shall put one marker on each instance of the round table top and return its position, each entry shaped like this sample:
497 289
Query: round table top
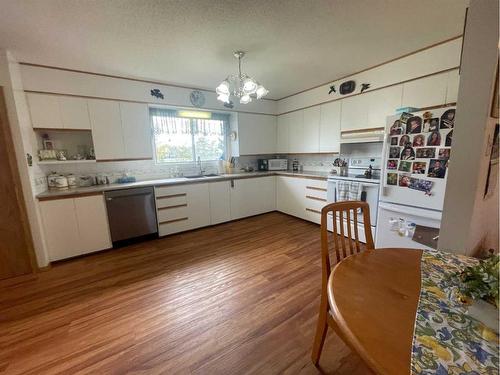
374 297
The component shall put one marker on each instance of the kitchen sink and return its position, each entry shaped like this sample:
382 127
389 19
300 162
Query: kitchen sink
202 175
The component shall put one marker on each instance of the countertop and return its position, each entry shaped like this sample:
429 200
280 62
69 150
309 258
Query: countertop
51 194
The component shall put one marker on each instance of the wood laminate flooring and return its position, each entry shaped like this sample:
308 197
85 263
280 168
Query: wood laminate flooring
237 298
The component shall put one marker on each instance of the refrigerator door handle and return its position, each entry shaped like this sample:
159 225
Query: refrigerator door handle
405 210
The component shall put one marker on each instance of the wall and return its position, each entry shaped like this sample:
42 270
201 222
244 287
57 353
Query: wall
443 57
470 221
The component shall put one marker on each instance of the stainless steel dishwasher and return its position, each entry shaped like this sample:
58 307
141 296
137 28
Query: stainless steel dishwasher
131 213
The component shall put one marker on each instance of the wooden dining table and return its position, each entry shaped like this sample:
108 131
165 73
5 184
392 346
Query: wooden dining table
374 297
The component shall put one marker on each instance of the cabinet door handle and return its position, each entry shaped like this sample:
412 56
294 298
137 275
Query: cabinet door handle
109 199
232 183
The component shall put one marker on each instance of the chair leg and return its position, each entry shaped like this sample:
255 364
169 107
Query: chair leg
319 338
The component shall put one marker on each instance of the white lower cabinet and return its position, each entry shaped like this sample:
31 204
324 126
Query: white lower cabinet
220 201
252 196
75 226
301 197
182 207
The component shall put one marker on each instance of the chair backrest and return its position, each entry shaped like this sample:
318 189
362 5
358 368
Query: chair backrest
345 242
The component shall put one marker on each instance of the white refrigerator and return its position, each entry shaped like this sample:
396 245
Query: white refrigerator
416 153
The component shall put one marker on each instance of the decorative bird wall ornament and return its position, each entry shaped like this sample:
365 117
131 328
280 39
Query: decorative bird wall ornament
157 94
364 86
332 89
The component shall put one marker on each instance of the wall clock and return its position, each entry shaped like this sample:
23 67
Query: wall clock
197 98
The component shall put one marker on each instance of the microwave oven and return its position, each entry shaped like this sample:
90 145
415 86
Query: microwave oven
277 164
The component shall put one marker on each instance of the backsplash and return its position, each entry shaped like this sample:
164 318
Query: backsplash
149 170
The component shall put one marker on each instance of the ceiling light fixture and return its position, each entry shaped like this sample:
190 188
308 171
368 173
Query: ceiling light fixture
240 85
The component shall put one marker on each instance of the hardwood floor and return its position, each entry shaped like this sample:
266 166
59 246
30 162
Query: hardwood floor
237 298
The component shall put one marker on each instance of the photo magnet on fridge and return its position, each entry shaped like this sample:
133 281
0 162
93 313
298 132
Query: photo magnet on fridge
437 168
392 178
392 164
434 139
394 152
448 119
394 141
419 140
421 185
414 125
405 166
405 140
444 153
408 153
430 125
419 167
426 153
403 120
448 139
404 180
396 128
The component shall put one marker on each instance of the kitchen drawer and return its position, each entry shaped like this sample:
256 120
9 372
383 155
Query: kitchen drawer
172 213
316 184
171 190
315 192
175 226
313 214
315 203
171 200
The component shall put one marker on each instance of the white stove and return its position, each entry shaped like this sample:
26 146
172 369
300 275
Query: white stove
369 188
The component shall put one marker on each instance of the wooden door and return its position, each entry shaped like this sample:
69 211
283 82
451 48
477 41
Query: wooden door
16 245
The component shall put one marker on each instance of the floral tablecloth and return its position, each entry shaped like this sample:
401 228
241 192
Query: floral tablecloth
446 340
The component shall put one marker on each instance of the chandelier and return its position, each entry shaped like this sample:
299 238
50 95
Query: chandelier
240 85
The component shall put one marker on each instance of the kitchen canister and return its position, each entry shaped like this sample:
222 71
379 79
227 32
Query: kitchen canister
71 181
61 182
51 180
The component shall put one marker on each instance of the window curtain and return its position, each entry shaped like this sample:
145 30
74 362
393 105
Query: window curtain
166 121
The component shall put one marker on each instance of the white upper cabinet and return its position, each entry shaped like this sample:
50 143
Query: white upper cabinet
107 129
44 111
58 111
382 103
74 112
329 128
282 134
295 131
425 92
453 84
311 126
354 114
136 130
257 134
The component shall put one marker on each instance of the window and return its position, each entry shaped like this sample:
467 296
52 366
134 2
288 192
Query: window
185 139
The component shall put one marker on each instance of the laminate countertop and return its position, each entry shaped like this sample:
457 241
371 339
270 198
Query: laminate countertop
91 190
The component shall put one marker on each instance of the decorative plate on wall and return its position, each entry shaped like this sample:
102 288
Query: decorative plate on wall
197 98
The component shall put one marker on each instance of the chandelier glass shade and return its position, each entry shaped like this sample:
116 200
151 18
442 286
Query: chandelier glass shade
240 85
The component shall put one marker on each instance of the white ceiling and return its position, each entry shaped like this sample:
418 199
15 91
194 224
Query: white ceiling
292 45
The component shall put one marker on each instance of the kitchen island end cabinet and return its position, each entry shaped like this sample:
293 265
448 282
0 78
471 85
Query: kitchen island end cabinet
75 226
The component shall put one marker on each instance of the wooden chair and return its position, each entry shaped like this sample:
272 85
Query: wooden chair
344 244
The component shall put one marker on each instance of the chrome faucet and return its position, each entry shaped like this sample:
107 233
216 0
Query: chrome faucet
199 164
